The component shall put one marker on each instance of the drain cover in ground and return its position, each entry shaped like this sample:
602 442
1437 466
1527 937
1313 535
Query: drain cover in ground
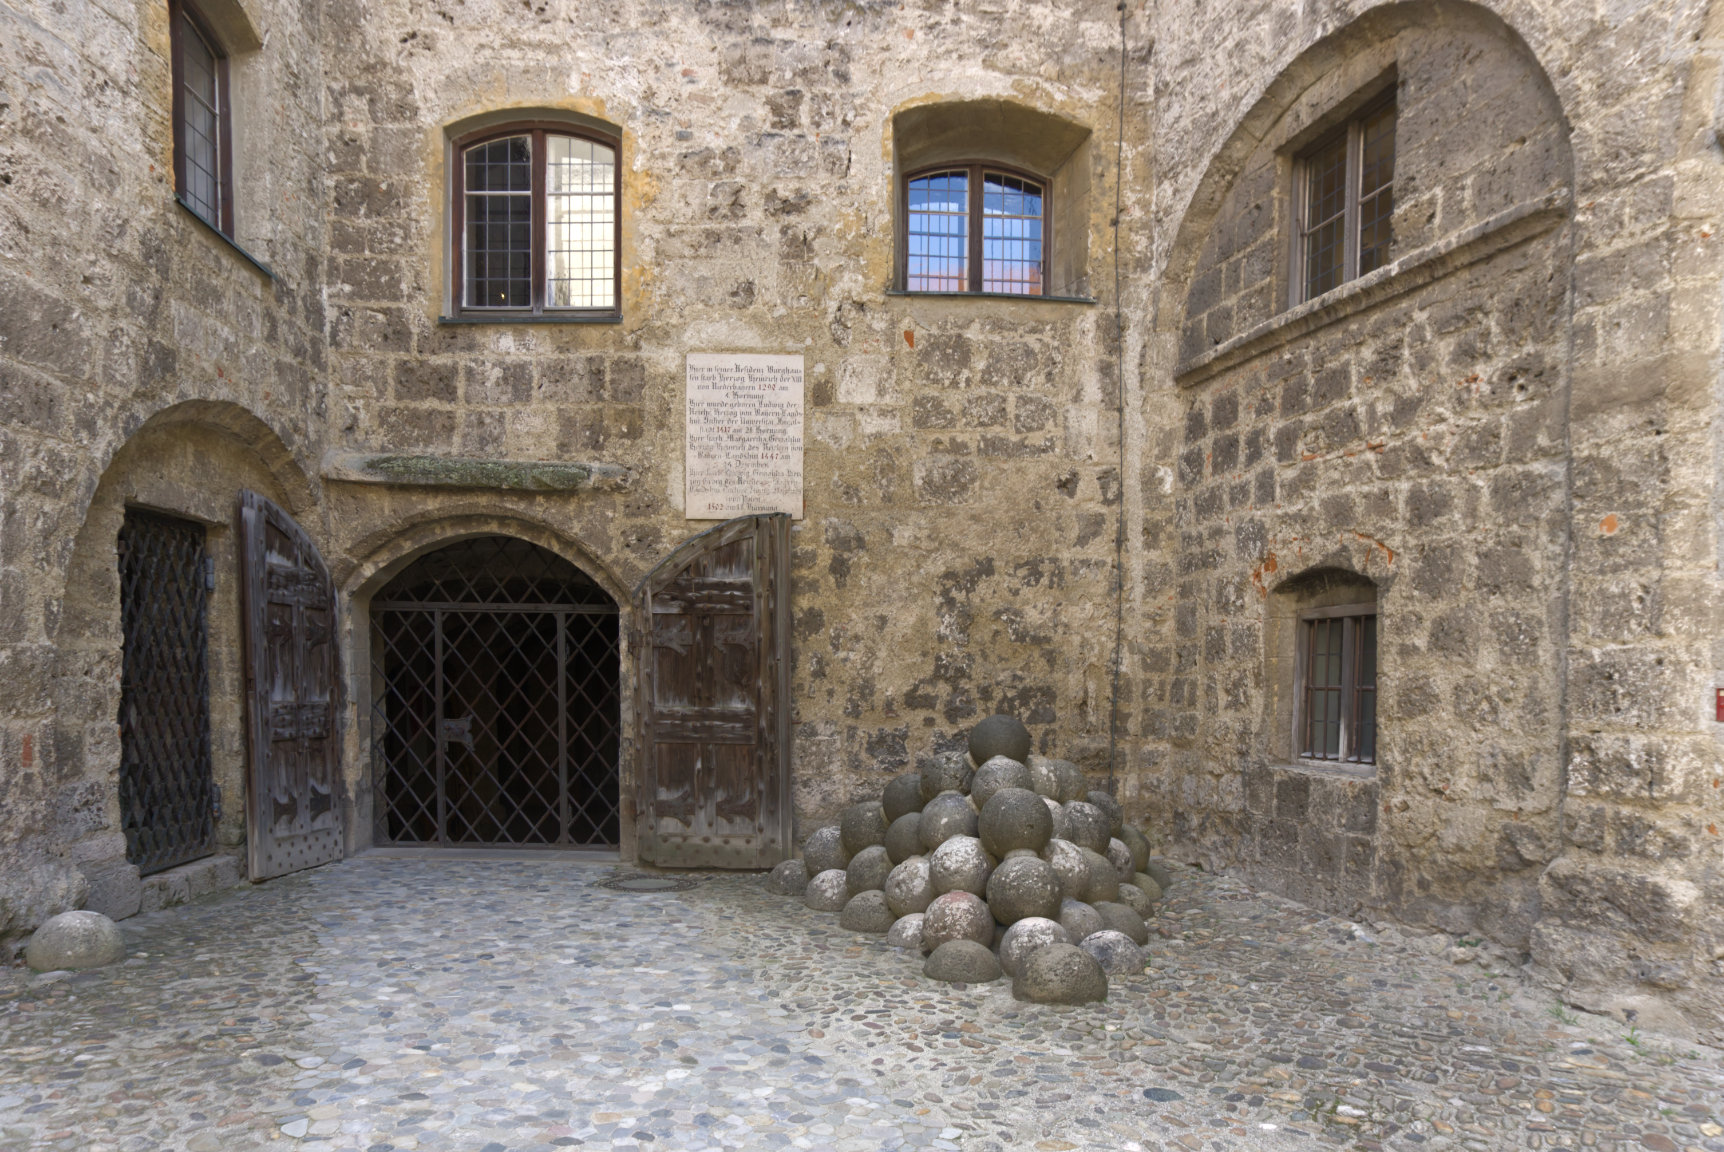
641 882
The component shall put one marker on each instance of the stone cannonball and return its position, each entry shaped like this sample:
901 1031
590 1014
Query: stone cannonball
949 772
1060 974
1056 813
1134 898
906 932
1117 953
962 962
1138 844
868 869
1115 814
1103 879
957 916
909 888
1044 776
1070 865
1022 888
904 837
1159 873
1014 818
902 795
1150 886
829 891
1120 918
1072 782
947 815
1000 736
862 826
1079 919
996 774
866 912
1086 826
960 864
1026 936
1120 856
789 878
1014 853
824 850
75 940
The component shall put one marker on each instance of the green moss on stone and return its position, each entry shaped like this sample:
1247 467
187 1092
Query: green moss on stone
451 472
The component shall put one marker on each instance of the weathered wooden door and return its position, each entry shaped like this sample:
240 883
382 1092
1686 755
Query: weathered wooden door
713 632
292 690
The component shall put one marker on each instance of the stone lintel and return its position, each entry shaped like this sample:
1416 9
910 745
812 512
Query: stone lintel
418 471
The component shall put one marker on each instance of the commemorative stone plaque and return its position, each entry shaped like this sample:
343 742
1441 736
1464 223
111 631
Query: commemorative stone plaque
743 452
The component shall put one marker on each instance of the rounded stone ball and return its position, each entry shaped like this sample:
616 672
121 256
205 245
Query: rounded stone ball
75 940
1117 953
862 826
1000 735
1079 919
1026 936
960 864
824 850
903 795
948 773
909 888
957 916
1150 887
1103 879
789 878
829 891
1022 888
1159 874
866 912
961 962
996 774
1060 974
1072 782
906 932
1070 865
1120 918
1137 900
1044 776
868 869
1014 853
1014 818
1086 826
904 837
1120 856
1115 814
1138 844
947 815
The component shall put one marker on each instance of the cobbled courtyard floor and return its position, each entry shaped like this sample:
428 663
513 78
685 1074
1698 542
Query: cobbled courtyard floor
388 1003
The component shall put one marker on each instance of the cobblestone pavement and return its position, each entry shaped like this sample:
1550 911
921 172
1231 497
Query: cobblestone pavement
488 1006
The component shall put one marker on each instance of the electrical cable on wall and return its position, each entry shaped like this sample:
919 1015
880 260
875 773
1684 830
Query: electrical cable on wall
1119 381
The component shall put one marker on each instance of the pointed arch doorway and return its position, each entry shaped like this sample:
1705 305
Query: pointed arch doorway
495 695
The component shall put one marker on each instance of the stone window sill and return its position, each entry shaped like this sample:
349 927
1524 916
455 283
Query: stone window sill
1416 269
1021 296
1331 768
542 318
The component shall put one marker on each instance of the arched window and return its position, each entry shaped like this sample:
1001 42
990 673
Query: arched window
975 228
536 226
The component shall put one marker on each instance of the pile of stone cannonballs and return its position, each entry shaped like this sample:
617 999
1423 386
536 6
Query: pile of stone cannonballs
993 863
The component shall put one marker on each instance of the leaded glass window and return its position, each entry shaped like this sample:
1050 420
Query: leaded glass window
972 228
1337 696
1345 202
203 176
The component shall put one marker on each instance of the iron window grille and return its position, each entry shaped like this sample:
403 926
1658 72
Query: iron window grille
537 229
1336 689
203 118
974 228
1344 202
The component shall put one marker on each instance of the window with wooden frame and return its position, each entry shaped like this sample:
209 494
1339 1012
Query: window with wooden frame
974 228
203 120
1344 198
1335 694
536 227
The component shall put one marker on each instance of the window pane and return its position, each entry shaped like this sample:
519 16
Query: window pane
1376 191
1365 734
580 224
200 124
1011 235
1323 690
498 256
937 236
1325 217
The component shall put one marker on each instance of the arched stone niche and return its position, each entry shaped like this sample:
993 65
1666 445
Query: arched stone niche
1315 588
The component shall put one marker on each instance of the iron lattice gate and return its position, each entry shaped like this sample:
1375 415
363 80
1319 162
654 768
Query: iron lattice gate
496 714
167 787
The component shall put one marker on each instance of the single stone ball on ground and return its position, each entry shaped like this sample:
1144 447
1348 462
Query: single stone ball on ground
1150 888
996 774
1120 856
909 890
1115 814
1120 918
824 850
961 962
862 826
1044 777
1056 812
904 837
1060 974
1133 897
906 932
75 940
1086 826
789 878
1072 782
957 916
1117 953
999 736
960 864
868 869
1014 818
1159 873
902 796
947 815
1026 936
1027 886
1070 865
829 891
949 772
866 912
1079 919
1138 843
1103 880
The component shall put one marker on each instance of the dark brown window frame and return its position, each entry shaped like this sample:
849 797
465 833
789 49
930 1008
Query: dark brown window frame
224 113
1353 130
975 170
458 307
1350 688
